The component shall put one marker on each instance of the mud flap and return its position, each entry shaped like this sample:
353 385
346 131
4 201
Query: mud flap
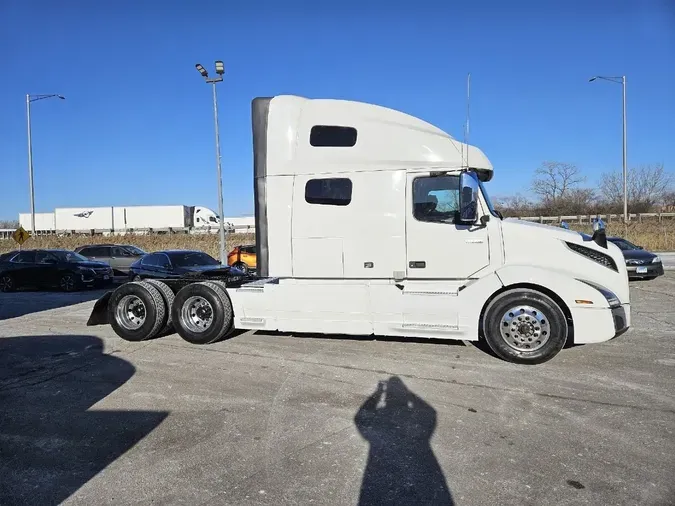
99 315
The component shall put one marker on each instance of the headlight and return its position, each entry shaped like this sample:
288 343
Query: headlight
656 260
609 296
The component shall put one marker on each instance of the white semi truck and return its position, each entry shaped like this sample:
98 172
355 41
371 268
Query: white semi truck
372 222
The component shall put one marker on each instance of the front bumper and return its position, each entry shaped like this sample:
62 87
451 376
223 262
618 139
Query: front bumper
596 325
621 317
99 277
648 270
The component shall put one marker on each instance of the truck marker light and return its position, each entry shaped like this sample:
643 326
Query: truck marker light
583 301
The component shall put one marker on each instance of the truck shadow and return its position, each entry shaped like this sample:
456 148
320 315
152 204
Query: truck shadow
351 337
51 442
14 304
401 467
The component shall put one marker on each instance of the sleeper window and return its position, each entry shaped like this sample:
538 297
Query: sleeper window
332 136
329 192
436 198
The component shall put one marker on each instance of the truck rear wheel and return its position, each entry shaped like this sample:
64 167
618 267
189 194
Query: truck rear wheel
202 313
168 297
136 311
525 326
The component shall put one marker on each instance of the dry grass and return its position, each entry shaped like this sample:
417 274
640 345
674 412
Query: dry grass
651 235
208 243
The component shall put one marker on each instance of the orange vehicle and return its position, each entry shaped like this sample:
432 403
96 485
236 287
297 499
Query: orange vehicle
243 258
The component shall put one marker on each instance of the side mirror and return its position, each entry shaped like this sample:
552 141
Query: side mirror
468 198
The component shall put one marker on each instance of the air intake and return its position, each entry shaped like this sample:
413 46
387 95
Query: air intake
591 254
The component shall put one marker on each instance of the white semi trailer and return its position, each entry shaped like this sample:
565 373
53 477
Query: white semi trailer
371 221
122 219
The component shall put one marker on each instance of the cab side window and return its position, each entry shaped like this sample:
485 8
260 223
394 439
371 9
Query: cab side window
436 198
329 191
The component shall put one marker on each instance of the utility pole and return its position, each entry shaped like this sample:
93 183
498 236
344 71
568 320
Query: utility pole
220 70
29 99
621 80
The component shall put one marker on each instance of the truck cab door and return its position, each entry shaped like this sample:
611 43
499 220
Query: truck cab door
437 246
441 255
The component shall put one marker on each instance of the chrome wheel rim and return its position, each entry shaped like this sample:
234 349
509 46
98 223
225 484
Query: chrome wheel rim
5 283
130 313
67 283
197 314
525 328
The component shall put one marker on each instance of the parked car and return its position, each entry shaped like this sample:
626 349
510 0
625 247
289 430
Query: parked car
51 268
118 256
641 264
173 264
243 258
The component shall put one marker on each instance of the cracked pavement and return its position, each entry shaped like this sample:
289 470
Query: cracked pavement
87 418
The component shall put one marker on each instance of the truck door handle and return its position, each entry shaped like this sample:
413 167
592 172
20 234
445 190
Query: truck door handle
417 264
474 241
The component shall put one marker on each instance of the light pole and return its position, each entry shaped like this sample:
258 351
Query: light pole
220 70
620 80
29 99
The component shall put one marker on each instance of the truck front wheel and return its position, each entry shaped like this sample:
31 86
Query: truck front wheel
202 313
524 326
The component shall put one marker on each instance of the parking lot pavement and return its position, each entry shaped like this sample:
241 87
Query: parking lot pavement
259 419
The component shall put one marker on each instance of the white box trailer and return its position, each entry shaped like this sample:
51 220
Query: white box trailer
83 218
44 222
155 217
370 221
242 224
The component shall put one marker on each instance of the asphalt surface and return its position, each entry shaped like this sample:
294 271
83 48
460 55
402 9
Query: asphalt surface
86 418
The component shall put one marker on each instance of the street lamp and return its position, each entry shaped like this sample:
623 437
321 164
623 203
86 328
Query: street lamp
620 80
220 70
29 99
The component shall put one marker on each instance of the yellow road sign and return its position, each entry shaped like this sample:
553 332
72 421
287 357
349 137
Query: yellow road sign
20 235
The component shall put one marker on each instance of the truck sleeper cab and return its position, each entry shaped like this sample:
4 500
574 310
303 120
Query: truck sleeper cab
371 221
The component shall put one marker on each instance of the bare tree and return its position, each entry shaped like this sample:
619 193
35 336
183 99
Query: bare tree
669 201
647 186
514 205
553 180
9 224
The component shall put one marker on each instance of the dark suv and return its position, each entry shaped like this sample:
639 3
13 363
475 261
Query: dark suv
44 268
118 256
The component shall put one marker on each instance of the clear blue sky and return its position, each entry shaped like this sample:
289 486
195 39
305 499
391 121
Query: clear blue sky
137 125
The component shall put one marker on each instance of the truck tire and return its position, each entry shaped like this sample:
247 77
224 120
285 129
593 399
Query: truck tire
168 296
202 313
136 311
524 326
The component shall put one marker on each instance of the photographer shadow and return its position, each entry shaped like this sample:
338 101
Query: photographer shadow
402 467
